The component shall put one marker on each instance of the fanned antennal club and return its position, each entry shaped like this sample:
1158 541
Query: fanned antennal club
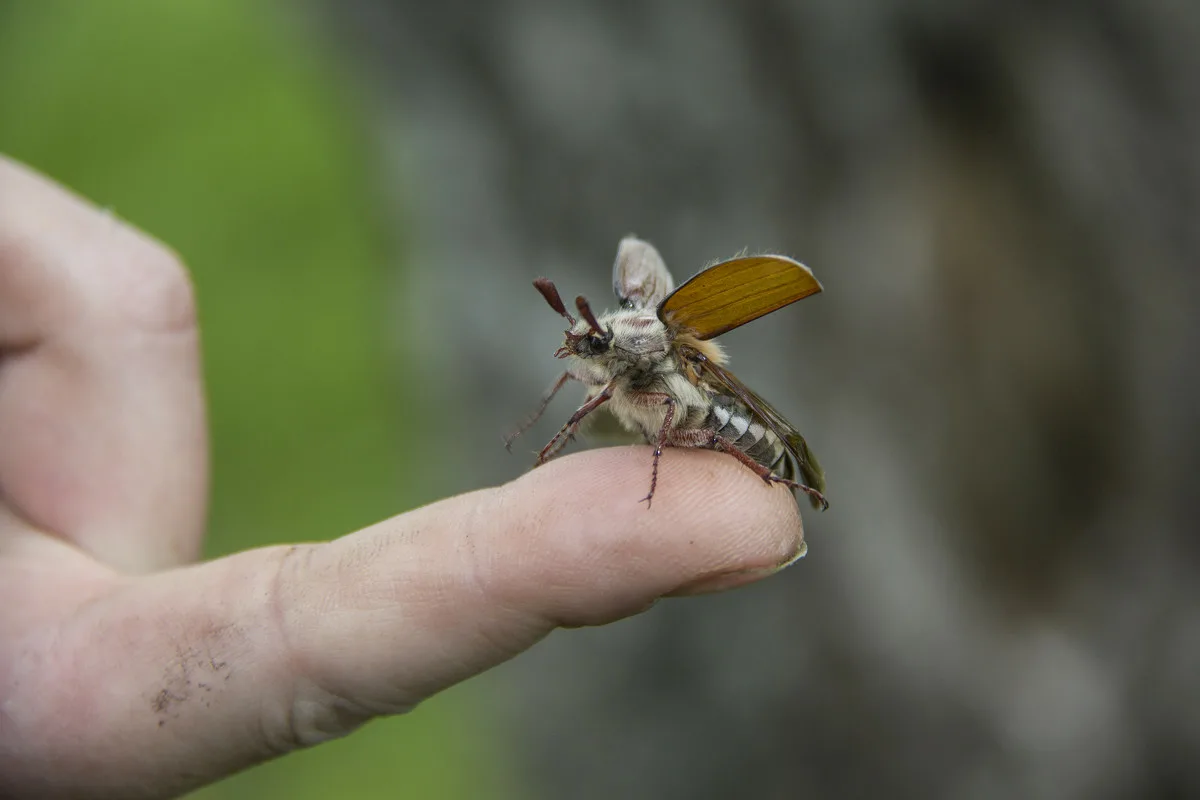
585 311
550 292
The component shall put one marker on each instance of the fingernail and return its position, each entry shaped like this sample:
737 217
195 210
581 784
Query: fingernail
732 579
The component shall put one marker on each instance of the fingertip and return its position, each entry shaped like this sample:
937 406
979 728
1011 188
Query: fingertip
580 524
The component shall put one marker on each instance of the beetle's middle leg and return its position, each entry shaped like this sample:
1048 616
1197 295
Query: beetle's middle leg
653 398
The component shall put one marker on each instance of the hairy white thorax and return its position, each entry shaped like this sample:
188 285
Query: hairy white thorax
640 366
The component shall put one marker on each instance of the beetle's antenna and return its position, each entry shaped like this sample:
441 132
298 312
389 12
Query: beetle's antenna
550 292
585 311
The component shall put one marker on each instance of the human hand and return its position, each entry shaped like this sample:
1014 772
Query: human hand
124 672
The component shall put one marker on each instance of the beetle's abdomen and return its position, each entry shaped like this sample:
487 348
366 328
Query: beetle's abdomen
733 421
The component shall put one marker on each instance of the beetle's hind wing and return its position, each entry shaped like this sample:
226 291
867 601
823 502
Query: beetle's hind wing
640 277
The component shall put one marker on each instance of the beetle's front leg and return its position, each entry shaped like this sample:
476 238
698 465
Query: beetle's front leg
560 439
537 414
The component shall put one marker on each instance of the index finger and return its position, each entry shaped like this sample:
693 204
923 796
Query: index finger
231 662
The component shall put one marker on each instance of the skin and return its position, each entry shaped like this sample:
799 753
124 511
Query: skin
126 670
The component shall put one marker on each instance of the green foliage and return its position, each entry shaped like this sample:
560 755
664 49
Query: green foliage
223 130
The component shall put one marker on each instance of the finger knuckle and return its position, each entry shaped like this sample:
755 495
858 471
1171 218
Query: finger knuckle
150 288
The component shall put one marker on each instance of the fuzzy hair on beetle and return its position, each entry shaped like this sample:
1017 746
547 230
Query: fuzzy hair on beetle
652 363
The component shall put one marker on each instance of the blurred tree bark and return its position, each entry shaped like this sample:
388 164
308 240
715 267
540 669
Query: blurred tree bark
1001 200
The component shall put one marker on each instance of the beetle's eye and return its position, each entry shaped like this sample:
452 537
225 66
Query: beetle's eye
600 341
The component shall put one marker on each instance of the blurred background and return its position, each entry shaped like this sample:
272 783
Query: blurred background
1002 201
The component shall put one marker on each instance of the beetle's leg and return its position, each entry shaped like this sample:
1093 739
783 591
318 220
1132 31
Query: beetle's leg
537 414
560 439
650 398
719 442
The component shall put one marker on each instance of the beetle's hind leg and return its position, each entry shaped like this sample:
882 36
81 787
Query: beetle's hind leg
718 442
711 440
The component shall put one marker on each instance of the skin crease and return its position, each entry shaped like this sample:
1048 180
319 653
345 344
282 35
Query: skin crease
127 671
